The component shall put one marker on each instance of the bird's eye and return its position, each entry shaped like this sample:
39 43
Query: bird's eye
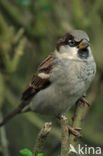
72 43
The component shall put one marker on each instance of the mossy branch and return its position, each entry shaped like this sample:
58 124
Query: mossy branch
38 148
79 115
65 137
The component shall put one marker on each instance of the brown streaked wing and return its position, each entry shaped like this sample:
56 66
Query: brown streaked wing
38 83
34 86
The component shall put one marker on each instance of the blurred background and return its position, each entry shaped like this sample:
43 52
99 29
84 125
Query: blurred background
29 31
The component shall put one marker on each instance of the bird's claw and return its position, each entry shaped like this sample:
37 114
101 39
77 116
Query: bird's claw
83 100
75 131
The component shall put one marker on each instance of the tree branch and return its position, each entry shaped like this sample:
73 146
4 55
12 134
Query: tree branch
38 148
79 115
65 137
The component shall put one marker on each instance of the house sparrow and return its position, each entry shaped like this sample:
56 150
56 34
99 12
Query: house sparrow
61 79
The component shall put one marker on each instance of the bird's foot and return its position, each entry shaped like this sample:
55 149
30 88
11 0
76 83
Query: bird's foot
83 100
75 131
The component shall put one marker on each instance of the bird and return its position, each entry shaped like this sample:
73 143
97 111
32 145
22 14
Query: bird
61 79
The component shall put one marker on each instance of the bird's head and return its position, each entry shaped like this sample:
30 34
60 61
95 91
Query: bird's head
74 45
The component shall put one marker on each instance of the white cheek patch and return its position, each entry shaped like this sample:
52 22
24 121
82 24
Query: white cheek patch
72 52
43 75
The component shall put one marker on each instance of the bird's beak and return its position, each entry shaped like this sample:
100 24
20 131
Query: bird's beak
83 44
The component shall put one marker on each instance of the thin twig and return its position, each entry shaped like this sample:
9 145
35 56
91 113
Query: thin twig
38 148
79 115
65 137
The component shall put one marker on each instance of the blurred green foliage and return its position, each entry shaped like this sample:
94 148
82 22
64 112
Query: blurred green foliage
24 2
26 152
29 31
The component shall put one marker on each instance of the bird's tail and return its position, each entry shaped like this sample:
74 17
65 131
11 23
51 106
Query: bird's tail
10 116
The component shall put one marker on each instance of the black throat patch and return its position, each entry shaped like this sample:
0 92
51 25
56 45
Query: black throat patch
83 53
